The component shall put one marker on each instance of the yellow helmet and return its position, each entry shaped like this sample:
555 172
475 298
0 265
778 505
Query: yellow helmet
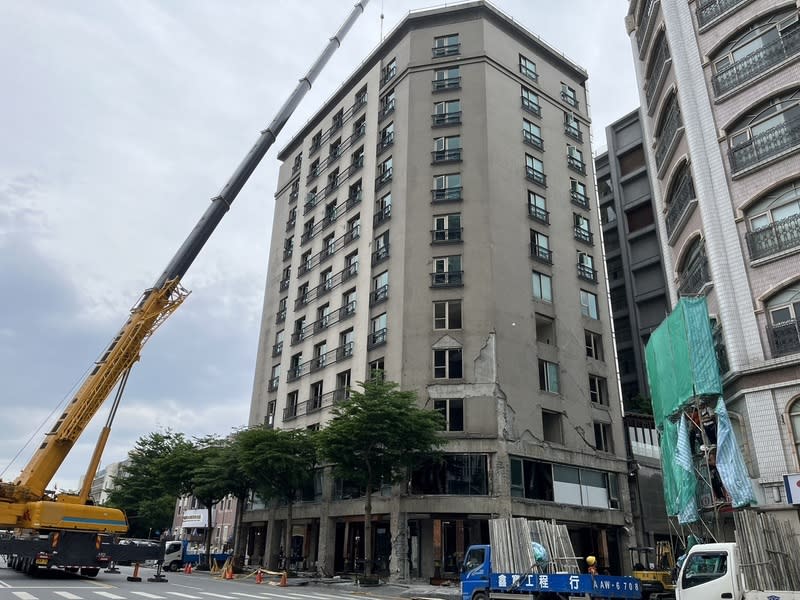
590 560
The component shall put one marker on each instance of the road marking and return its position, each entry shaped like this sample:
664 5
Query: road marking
213 595
24 596
68 595
110 595
146 595
246 595
182 595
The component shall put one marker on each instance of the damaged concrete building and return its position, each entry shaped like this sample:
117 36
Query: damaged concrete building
437 219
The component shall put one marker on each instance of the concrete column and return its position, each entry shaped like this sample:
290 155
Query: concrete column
273 537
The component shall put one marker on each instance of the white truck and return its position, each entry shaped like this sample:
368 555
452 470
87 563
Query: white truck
714 571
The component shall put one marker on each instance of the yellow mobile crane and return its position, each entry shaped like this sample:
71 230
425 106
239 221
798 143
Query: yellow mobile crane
67 530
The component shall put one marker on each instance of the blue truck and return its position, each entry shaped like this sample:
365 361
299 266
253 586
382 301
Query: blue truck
178 553
480 582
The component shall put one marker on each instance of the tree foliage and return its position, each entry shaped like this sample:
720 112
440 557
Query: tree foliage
376 437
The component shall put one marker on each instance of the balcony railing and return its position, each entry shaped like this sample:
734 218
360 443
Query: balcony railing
387 74
541 253
532 139
774 238
284 284
449 118
765 145
447 279
318 362
528 72
574 132
668 133
386 109
784 338
587 273
579 199
660 70
719 348
280 316
446 155
381 254
383 178
379 295
446 236
376 338
382 215
531 107
539 214
679 203
315 403
290 224
535 176
448 194
293 195
693 280
272 384
385 142
448 83
448 50
277 349
583 235
645 26
569 99
576 164
758 62
287 253
710 10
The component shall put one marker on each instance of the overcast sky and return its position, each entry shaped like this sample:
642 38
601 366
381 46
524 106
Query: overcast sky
119 120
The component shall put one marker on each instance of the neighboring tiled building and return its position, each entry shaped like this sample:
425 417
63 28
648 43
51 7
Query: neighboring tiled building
103 481
190 523
639 302
436 219
720 91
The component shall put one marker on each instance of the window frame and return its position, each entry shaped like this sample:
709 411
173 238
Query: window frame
549 377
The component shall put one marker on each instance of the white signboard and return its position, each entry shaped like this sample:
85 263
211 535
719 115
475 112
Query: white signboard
195 519
792 483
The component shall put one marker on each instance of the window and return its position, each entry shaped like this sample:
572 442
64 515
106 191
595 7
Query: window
566 485
345 344
288 247
548 376
569 95
598 390
578 195
528 68
447 148
386 138
537 208
446 228
767 131
447 364
328 246
286 276
320 355
389 71
377 368
384 172
298 332
277 347
323 316
530 101
388 103
353 228
383 209
354 193
447 314
447 271
454 474
291 405
447 112
447 79
361 97
784 322
326 280
315 395
295 191
342 386
292 218
377 331
351 263
582 229
447 187
446 45
540 247
274 378
348 303
589 305
572 127
452 409
294 366
534 170
575 159
281 314
594 345
308 230
545 330
542 287
338 119
269 418
380 288
532 134
704 567
298 160
380 248
586 268
552 430
356 162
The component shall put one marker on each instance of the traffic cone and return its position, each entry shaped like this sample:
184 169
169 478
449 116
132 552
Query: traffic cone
229 572
135 576
284 581
259 576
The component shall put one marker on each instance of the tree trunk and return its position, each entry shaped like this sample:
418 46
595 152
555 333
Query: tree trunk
209 532
287 546
240 539
368 532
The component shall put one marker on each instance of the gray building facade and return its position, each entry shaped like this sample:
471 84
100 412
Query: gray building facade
437 219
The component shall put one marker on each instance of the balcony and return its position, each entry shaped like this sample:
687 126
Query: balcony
576 164
531 107
448 194
574 132
444 119
678 210
691 282
385 142
382 215
542 254
446 155
784 338
446 236
321 361
379 295
539 214
579 199
583 235
447 279
448 83
662 62
350 271
775 238
587 273
766 145
287 253
301 300
758 62
668 136
280 316
388 74
284 284
535 176
380 255
383 178
298 336
272 384
448 50
348 310
315 404
386 109
277 349
570 99
710 10
531 139
644 29
376 338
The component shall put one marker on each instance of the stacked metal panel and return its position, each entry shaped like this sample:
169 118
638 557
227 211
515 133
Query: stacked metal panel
512 546
767 551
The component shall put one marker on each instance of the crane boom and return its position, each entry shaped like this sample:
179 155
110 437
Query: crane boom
152 309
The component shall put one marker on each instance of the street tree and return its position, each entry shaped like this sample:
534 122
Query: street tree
208 481
376 437
280 464
239 485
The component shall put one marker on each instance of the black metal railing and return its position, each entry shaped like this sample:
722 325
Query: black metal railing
385 142
446 155
284 284
774 238
386 109
692 281
679 201
280 316
447 279
587 273
448 50
719 348
277 348
541 253
660 59
290 224
784 338
528 72
668 132
644 28
379 295
531 107
448 194
326 286
445 236
574 132
376 338
315 403
569 99
383 178
272 384
388 74
576 164
710 10
381 254
579 199
539 214
383 214
765 145
532 139
287 253
448 118
448 83
757 62
535 176
318 362
583 235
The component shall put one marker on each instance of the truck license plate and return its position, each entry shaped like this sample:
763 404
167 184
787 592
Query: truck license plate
41 561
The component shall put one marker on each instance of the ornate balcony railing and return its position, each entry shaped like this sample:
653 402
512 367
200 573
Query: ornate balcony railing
757 62
645 27
659 71
784 338
693 280
710 10
679 202
668 133
774 238
765 145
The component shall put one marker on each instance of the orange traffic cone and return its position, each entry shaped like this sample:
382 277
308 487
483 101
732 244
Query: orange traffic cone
259 576
284 581
229 572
